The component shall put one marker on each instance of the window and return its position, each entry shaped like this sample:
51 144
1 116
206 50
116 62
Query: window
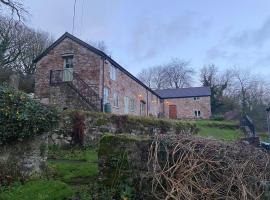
115 99
112 72
197 113
196 98
132 104
68 62
142 108
126 104
106 95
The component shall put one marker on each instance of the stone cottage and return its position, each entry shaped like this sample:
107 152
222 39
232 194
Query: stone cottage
74 74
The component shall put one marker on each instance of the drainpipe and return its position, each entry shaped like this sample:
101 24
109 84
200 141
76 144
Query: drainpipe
103 78
147 103
163 105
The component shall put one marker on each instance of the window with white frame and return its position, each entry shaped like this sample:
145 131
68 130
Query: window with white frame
112 72
196 98
197 113
132 104
115 99
106 95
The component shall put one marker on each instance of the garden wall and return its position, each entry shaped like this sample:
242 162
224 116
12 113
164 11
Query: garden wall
25 158
96 124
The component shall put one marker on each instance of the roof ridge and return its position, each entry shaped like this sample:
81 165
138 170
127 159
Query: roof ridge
183 88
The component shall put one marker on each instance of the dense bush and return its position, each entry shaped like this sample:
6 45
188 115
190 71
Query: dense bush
22 117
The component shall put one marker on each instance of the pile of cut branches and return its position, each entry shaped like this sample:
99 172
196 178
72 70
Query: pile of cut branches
186 167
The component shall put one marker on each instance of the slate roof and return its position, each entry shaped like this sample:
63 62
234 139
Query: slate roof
184 92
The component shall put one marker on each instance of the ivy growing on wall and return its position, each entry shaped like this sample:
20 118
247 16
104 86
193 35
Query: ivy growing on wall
22 117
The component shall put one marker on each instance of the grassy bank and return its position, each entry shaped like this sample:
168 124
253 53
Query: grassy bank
72 172
221 130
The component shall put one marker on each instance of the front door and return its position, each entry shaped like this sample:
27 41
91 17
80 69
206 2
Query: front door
172 112
68 69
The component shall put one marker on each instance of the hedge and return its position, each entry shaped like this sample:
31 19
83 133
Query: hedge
22 117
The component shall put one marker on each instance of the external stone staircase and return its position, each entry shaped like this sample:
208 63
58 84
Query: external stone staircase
87 92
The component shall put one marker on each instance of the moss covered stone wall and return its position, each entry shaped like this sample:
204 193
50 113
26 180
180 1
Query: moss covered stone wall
25 157
96 124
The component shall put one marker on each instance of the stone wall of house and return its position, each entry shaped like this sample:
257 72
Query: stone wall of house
85 63
27 156
187 106
126 87
89 66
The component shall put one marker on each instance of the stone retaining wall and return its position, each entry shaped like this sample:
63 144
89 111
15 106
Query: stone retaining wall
96 124
27 157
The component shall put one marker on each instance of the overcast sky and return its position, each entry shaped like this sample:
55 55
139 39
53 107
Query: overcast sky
145 33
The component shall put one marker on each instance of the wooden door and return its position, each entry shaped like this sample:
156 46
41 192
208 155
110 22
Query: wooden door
68 69
172 112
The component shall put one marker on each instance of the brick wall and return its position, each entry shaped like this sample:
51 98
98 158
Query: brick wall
187 106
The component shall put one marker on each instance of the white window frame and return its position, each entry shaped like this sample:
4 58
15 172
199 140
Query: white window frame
112 72
197 113
132 104
106 95
116 99
126 105
196 98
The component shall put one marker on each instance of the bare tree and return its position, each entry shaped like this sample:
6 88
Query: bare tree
10 41
35 43
218 82
175 74
100 45
146 77
248 88
179 73
16 7
154 77
20 45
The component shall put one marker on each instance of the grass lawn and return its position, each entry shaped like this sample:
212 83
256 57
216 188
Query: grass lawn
85 154
73 163
37 190
75 175
68 171
222 130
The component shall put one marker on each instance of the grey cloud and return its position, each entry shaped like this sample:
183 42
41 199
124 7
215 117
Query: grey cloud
252 37
248 47
149 37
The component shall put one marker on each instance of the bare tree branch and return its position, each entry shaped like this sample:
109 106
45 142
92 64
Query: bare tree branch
16 8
